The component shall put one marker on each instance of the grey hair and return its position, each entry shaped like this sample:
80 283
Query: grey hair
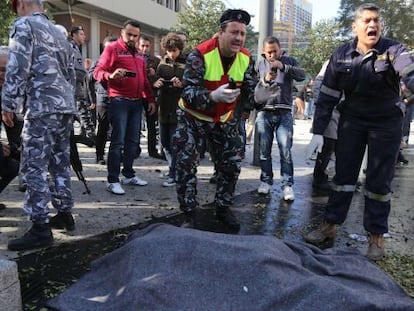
365 6
4 50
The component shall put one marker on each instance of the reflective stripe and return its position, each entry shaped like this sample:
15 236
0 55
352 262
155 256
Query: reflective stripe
343 188
330 92
377 196
223 118
407 70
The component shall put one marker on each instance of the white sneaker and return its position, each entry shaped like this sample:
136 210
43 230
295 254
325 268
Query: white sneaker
115 187
136 181
264 188
288 194
169 183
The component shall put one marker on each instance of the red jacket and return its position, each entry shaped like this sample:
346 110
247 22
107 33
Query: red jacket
117 55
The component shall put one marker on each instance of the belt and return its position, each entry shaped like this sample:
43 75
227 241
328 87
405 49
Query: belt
278 111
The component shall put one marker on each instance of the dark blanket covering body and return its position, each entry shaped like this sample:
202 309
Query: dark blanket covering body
163 267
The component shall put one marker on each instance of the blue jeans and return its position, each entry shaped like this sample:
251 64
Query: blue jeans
167 131
280 124
125 117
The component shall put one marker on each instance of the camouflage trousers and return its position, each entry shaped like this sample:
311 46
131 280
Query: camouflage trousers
226 149
46 150
85 117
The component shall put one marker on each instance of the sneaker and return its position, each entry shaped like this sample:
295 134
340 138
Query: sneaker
288 194
115 188
2 206
170 182
264 188
39 235
63 220
136 181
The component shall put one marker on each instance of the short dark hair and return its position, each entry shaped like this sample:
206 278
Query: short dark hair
172 41
132 22
76 29
271 40
145 38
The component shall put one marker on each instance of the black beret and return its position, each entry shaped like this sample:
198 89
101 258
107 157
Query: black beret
75 29
231 15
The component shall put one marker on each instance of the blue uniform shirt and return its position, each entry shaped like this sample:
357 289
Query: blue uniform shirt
370 83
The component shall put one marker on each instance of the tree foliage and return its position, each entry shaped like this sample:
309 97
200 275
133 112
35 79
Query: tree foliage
322 39
397 18
200 20
7 17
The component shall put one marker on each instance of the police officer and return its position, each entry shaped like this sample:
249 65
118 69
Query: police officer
40 75
85 115
207 110
367 71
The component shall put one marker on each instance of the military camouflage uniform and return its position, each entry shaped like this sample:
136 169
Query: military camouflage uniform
85 114
226 146
44 85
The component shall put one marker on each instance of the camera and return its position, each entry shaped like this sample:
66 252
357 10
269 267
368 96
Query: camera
274 69
130 74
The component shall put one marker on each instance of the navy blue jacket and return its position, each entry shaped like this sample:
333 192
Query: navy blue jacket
370 83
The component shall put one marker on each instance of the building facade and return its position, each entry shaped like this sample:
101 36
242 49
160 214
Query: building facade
291 19
101 18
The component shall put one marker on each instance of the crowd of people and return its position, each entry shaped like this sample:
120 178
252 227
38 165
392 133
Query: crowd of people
200 101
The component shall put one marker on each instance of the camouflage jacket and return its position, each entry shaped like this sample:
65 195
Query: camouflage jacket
40 73
80 70
196 94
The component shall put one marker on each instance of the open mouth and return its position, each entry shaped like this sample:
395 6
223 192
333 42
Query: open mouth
372 34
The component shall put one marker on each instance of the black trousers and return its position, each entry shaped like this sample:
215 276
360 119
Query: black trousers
383 138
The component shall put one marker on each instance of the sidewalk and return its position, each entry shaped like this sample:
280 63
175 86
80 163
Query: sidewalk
102 211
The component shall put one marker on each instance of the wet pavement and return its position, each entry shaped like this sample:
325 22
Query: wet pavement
104 220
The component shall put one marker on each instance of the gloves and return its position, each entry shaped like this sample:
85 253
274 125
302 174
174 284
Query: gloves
224 94
315 144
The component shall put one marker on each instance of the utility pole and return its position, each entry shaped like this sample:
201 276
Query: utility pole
265 29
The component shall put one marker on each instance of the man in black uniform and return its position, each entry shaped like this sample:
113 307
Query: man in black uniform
367 71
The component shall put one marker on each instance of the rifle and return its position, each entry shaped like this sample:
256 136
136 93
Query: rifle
76 163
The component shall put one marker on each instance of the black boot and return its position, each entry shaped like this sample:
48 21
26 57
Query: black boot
226 216
63 220
189 221
401 159
39 235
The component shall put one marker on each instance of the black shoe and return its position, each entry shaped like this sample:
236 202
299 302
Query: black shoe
63 220
321 188
100 160
189 220
156 155
226 216
401 159
39 235
2 206
87 141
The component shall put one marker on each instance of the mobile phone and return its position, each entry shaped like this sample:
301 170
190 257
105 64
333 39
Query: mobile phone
130 74
232 84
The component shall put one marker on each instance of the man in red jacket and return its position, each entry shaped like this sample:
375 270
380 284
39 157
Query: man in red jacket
121 67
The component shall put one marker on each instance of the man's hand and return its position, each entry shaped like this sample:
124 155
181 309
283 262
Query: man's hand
315 144
7 117
152 108
224 94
